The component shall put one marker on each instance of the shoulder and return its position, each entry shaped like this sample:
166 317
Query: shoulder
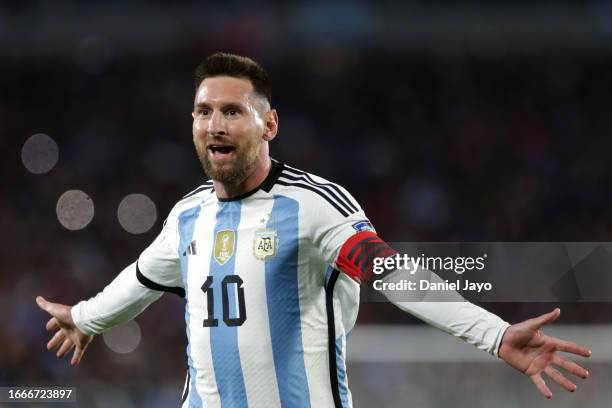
192 199
202 190
316 190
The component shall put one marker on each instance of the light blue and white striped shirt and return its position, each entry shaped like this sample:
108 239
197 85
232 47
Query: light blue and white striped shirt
267 312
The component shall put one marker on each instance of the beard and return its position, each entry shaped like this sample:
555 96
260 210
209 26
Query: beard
235 170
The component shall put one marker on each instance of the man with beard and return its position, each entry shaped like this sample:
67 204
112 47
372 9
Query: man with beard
268 259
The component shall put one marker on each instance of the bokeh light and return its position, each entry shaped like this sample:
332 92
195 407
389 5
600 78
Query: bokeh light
75 209
137 213
123 339
39 153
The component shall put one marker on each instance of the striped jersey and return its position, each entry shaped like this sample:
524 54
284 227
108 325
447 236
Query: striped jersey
267 311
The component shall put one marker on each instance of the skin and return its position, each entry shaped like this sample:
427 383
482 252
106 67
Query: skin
227 112
67 335
526 348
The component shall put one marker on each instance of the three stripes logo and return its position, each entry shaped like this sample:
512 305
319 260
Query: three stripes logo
191 249
332 193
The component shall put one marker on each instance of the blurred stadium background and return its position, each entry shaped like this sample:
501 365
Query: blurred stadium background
479 121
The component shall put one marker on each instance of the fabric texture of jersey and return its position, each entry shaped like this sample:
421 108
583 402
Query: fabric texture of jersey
267 312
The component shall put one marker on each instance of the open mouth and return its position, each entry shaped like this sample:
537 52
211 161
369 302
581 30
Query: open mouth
220 150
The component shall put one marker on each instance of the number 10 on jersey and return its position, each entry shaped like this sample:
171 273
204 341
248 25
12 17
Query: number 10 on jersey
207 288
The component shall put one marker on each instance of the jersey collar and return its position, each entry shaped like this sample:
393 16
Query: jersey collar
275 170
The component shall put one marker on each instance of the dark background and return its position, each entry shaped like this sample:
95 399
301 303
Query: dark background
479 121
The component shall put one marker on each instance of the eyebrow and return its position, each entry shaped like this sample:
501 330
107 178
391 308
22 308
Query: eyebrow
224 106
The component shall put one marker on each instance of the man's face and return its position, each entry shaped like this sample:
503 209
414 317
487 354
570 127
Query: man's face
228 128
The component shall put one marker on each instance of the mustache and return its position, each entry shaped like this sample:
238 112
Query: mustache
223 140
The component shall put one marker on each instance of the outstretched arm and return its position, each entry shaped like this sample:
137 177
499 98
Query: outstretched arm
122 300
445 310
526 348
522 345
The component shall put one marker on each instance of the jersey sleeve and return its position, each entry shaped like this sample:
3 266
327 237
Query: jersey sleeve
157 270
349 243
121 300
340 226
158 266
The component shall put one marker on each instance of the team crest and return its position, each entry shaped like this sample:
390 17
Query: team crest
265 244
224 246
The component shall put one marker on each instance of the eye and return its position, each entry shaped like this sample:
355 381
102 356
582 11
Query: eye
233 112
203 111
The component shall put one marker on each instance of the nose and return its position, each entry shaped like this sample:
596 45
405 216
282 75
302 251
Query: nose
216 124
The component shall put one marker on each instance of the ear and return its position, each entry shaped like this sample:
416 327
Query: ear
271 125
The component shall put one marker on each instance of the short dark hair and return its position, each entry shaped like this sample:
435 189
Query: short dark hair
225 64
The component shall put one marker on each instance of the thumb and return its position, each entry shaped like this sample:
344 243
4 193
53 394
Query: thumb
42 303
49 307
544 319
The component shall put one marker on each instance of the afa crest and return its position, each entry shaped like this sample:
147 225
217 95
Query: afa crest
225 241
265 244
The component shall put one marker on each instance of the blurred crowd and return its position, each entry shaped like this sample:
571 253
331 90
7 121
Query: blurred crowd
461 147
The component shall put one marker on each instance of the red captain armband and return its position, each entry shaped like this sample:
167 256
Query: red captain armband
358 252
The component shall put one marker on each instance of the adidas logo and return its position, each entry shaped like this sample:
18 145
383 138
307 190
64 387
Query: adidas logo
191 249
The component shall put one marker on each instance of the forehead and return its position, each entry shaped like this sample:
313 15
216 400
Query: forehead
224 89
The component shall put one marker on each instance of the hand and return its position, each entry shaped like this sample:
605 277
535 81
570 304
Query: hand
68 335
526 348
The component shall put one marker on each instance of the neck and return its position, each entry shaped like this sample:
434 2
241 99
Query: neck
257 176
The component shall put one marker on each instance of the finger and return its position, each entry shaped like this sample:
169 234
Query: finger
52 324
43 303
560 379
77 356
570 366
544 319
541 385
40 301
571 347
66 346
56 340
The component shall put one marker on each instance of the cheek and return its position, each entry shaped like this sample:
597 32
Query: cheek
251 131
199 128
250 139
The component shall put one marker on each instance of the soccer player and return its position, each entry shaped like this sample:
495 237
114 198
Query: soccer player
268 259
